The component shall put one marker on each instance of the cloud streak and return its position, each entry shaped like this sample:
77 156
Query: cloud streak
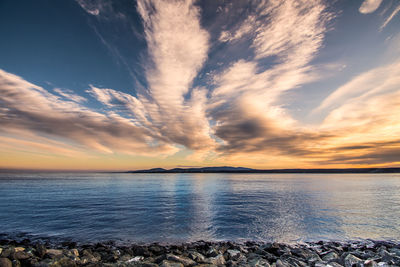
391 16
26 107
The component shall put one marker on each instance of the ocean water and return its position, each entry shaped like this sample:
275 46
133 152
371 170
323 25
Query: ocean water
93 207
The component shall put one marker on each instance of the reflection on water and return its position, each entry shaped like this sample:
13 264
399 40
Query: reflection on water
187 207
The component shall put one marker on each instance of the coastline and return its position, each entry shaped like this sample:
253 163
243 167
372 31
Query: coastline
201 253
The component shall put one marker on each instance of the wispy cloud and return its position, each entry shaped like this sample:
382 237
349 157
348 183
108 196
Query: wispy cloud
69 94
245 103
93 7
177 48
390 17
378 80
26 107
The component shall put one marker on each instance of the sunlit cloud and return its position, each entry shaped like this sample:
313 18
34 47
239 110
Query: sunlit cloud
93 7
238 114
245 103
177 47
28 107
70 95
369 6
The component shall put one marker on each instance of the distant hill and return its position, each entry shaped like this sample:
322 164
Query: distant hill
227 169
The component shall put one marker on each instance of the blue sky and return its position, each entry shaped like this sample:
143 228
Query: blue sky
267 84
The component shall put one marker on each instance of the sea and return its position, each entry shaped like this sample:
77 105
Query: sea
176 208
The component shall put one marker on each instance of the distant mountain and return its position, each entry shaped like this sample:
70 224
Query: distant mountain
227 169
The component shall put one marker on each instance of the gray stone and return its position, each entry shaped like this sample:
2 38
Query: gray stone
40 250
196 256
6 252
20 255
134 259
258 263
370 263
383 264
334 264
330 256
166 263
53 253
212 252
4 262
295 261
66 262
281 263
395 251
233 254
350 259
16 263
75 252
218 260
184 260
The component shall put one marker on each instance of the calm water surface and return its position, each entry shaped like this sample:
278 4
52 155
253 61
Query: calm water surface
187 207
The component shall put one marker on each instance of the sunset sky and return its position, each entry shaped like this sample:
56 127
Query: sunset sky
123 85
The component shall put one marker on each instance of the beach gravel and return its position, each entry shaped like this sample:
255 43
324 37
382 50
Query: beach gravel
366 253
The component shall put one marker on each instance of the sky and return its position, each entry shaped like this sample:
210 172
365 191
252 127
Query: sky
125 85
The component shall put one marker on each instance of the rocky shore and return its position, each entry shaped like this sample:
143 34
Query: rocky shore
202 254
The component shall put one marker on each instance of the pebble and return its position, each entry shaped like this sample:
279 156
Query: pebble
203 254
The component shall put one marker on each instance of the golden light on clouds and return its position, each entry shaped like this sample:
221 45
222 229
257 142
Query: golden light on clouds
239 117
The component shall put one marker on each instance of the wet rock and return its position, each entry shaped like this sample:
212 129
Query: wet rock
282 263
40 250
7 252
66 262
218 260
233 254
212 252
69 244
350 260
258 262
74 252
135 259
295 261
184 260
395 251
20 255
331 256
16 263
156 250
89 257
166 263
4 262
303 253
196 256
390 258
53 253
17 249
370 263
141 251
334 264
